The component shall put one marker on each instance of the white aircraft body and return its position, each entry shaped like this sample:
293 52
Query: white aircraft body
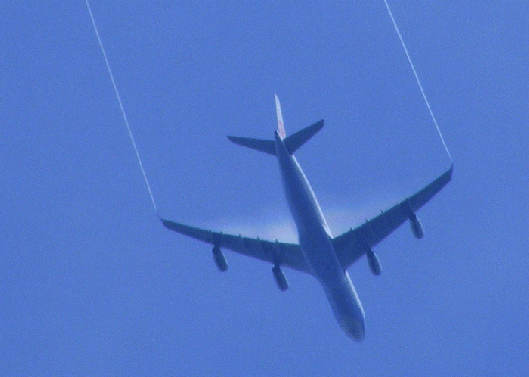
318 252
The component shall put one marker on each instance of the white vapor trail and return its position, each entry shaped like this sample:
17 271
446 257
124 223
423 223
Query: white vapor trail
417 77
120 104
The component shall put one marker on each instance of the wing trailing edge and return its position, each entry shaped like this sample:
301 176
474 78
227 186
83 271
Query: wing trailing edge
277 253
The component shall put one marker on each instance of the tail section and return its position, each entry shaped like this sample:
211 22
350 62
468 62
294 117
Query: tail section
293 142
267 146
280 124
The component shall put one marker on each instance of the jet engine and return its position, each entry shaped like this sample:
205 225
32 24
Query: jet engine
374 263
280 278
416 226
220 261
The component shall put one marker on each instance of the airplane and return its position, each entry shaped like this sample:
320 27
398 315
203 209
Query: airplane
318 253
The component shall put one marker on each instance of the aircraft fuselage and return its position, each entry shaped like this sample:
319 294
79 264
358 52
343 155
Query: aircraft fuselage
315 240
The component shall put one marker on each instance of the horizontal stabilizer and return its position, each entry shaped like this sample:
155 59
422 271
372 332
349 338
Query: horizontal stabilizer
267 146
294 141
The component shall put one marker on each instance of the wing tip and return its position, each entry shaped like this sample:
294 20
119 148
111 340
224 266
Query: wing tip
449 172
167 223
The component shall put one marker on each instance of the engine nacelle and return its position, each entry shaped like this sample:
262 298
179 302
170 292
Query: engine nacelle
280 278
416 226
374 263
220 261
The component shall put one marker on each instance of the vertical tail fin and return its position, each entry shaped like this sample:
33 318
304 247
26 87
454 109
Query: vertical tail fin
280 124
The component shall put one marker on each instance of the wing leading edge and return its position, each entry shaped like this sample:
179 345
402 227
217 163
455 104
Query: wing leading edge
277 253
351 245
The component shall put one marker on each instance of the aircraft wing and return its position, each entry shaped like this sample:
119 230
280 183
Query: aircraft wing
351 245
284 254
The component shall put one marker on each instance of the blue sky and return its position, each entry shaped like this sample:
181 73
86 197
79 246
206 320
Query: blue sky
92 284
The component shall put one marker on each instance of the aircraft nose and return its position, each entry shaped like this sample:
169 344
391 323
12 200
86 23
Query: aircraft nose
354 327
358 333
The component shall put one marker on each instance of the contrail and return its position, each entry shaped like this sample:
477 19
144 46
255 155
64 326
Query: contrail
121 105
417 78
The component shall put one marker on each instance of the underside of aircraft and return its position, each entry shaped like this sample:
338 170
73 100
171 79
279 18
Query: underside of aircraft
318 253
